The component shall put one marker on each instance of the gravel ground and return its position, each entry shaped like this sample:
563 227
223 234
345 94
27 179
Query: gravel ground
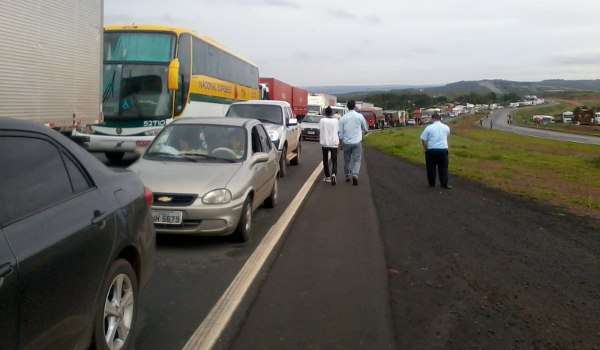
475 268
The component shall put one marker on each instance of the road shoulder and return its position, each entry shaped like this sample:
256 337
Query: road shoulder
328 287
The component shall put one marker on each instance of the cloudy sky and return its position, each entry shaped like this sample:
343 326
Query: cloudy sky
346 42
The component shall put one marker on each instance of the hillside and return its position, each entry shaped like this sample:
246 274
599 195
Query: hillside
497 86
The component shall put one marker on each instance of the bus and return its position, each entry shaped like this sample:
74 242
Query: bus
153 74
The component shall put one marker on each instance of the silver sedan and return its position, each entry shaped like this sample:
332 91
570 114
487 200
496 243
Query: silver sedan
208 175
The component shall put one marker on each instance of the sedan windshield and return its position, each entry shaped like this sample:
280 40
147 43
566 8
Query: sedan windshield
312 119
264 113
192 142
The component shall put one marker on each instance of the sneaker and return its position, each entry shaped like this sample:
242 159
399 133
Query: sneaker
333 180
355 180
327 179
347 178
447 187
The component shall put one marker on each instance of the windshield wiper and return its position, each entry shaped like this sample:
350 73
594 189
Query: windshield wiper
171 155
206 156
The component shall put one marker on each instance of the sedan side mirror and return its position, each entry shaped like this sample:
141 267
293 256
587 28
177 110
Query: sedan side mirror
292 122
260 158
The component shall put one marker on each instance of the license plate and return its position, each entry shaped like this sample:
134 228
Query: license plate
167 217
310 132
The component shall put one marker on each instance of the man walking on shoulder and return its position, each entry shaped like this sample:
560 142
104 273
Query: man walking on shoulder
435 143
352 127
329 129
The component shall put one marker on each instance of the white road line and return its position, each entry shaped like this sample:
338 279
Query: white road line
213 326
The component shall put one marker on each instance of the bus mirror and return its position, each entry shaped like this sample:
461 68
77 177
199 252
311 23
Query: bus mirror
173 82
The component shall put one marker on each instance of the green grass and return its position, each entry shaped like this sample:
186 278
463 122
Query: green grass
564 174
523 118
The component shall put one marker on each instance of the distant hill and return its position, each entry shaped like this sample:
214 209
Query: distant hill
520 88
497 86
348 89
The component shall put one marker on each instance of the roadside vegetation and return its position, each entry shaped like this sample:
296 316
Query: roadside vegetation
523 116
561 173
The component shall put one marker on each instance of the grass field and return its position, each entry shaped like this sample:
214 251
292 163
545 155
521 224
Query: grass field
561 173
523 115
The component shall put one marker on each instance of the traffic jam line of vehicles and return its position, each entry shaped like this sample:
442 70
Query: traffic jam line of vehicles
212 152
213 136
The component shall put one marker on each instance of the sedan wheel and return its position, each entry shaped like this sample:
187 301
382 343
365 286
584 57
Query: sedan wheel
116 319
245 225
271 202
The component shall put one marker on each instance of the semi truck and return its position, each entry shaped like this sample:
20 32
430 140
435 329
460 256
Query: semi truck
51 62
277 90
318 102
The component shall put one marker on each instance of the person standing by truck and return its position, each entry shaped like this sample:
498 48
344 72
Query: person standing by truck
435 143
352 127
328 137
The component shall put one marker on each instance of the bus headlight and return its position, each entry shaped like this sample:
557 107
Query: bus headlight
220 196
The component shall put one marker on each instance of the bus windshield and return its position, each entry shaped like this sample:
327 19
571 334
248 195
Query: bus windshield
138 47
135 75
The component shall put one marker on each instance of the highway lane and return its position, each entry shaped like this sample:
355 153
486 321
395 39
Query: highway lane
499 120
191 273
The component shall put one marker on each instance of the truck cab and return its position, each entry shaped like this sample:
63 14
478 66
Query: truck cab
281 124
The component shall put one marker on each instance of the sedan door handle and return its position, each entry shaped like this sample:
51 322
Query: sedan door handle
99 218
5 270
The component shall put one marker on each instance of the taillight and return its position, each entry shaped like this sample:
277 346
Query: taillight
149 197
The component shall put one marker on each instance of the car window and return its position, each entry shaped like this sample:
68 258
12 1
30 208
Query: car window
199 142
33 177
79 179
265 113
265 141
287 116
256 143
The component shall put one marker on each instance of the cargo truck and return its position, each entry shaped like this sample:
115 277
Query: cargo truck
51 62
277 90
318 102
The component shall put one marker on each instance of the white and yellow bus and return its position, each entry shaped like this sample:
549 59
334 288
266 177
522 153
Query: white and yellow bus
153 74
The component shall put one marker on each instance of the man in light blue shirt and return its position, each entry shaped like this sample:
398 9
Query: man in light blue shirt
435 143
352 127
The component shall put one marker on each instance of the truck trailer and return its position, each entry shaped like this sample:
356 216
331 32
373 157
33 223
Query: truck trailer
318 102
277 90
51 62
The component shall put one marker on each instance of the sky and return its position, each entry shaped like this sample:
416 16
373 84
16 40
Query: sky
376 42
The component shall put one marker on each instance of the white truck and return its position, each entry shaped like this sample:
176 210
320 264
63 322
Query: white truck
51 61
567 117
318 102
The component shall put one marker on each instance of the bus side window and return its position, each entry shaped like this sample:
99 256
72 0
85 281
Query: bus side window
185 71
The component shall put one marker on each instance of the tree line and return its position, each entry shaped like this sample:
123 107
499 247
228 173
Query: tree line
395 101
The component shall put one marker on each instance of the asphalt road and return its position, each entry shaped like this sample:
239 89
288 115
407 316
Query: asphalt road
499 121
191 273
475 268
327 288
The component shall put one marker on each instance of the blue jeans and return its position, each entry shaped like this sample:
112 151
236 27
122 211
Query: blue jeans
352 158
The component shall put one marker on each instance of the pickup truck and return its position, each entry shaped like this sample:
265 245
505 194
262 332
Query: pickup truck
282 126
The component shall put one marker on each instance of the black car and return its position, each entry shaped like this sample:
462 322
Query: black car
76 244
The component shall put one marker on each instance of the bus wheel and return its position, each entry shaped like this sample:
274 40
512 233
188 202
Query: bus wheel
114 157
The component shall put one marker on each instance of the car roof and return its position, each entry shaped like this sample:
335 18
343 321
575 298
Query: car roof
23 125
229 121
264 102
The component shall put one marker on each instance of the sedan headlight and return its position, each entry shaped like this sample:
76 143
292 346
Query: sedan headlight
220 196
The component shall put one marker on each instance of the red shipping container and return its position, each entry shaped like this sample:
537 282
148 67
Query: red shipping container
278 90
300 101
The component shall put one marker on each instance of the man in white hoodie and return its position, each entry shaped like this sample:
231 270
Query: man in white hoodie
328 137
